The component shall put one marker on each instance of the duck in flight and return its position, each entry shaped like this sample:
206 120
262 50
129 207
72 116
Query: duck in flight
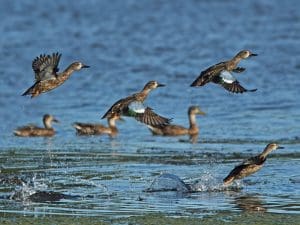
35 131
250 165
221 74
98 129
177 130
132 106
47 77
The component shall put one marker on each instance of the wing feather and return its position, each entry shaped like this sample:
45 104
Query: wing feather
46 66
151 118
208 74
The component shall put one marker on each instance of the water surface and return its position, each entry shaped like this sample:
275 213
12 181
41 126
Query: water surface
128 43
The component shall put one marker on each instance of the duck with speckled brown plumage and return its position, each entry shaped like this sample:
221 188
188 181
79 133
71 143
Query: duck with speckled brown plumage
177 130
47 77
98 129
251 165
132 106
221 74
35 131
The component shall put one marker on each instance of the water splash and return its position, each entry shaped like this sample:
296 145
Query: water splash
206 183
168 182
209 183
28 188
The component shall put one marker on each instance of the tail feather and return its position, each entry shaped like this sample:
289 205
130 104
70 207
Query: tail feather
17 133
77 126
29 91
200 81
228 180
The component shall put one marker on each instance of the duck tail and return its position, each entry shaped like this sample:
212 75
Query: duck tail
27 92
228 180
30 91
77 126
17 133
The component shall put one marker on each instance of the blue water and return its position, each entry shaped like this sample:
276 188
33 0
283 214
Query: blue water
127 43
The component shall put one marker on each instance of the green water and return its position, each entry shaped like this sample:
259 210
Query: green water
160 218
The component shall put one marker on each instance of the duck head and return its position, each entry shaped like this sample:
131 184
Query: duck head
152 85
48 119
78 66
244 54
195 110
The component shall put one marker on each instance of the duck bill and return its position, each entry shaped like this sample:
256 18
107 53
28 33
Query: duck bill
85 66
280 147
55 121
253 54
201 113
161 85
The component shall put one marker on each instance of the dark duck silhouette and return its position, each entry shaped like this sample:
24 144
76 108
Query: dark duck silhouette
251 165
47 77
132 106
221 74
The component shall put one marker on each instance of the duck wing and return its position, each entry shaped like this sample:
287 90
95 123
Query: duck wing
230 83
45 67
257 160
239 70
234 173
151 118
208 74
120 107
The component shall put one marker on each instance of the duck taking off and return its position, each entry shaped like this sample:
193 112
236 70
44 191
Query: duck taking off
47 77
132 106
35 131
98 129
177 130
221 74
251 165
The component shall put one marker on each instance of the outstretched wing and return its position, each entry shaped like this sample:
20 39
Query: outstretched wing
208 74
119 107
257 160
235 173
239 70
46 66
230 83
151 118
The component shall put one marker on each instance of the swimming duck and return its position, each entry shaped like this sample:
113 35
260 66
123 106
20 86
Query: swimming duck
176 130
132 106
47 77
34 131
221 73
98 129
251 165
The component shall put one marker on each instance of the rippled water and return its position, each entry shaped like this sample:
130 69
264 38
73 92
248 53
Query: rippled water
128 43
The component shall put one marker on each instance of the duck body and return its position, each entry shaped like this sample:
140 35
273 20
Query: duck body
94 129
178 130
46 76
98 129
132 106
221 74
251 165
243 170
35 131
169 130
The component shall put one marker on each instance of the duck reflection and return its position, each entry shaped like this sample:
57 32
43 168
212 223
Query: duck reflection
250 202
